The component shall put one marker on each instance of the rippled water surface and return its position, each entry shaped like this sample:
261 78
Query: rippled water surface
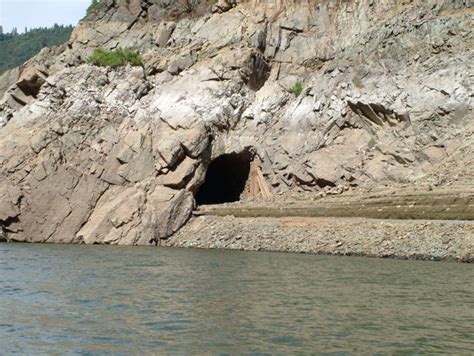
93 299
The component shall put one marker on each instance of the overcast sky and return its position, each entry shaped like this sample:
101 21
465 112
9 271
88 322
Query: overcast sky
40 13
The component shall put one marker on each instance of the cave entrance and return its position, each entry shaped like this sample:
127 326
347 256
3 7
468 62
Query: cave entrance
226 179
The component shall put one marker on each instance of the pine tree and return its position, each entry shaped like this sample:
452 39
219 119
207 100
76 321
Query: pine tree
17 48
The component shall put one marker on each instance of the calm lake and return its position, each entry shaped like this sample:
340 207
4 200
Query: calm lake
96 299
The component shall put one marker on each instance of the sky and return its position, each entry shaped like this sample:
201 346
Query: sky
40 13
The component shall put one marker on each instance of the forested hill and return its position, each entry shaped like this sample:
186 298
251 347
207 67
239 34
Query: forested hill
15 49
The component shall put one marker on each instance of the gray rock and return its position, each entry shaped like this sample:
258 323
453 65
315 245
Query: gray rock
100 155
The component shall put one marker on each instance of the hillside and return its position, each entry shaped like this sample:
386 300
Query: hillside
15 49
237 100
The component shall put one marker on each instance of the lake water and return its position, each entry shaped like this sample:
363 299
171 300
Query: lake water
96 299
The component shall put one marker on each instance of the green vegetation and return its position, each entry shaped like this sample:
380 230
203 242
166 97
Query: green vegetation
116 58
92 7
189 5
16 49
297 89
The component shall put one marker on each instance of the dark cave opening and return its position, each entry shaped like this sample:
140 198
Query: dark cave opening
225 179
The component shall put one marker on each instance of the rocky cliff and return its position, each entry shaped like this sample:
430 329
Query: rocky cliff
98 155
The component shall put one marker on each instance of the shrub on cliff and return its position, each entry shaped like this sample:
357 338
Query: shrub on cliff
92 7
189 5
297 89
116 58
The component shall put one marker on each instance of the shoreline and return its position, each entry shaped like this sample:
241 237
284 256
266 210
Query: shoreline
399 222
426 240
403 223
432 240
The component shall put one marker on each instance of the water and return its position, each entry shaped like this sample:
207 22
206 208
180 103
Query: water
96 299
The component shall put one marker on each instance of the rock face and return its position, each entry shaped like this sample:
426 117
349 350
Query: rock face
95 155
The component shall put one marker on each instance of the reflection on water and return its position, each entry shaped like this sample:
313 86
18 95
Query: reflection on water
129 299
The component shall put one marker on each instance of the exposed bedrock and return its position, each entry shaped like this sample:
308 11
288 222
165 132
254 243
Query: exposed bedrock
95 155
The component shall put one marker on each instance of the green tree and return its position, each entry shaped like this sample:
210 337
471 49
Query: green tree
15 49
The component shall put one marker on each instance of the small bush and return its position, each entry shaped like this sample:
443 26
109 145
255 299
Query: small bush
92 7
116 58
189 5
297 89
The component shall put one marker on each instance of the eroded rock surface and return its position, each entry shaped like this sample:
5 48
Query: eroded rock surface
96 155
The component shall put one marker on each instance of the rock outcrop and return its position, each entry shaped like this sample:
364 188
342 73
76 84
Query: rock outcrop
96 155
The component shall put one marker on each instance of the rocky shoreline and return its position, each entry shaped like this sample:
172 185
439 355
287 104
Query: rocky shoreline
398 222
404 239
405 223
432 240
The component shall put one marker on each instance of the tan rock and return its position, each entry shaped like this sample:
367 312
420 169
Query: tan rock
180 176
116 210
9 201
101 155
168 210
